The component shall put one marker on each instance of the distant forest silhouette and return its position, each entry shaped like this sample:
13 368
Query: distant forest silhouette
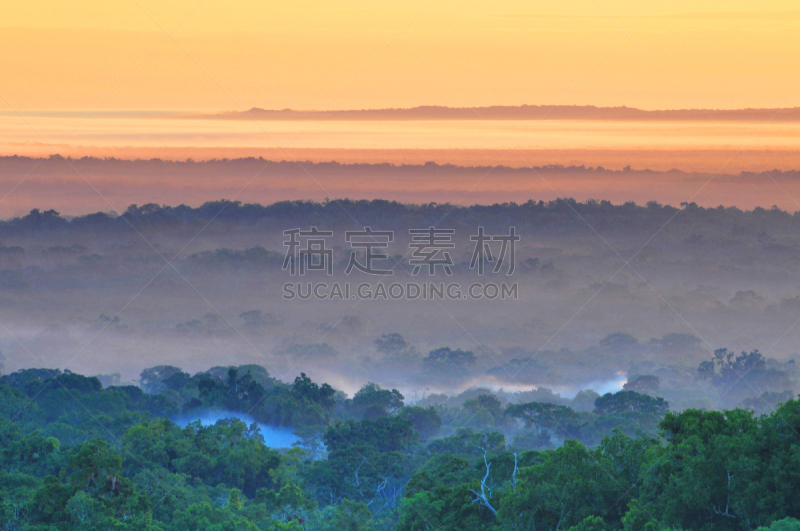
57 164
557 217
521 112
561 215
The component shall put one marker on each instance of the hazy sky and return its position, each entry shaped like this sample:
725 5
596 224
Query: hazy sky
339 54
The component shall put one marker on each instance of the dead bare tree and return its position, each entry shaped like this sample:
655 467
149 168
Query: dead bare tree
514 474
485 494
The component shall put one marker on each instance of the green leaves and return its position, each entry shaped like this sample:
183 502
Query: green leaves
96 467
569 485
560 421
726 470
623 401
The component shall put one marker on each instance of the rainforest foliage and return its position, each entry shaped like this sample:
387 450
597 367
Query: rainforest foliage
80 456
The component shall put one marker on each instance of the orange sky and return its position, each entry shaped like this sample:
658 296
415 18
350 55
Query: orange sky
304 54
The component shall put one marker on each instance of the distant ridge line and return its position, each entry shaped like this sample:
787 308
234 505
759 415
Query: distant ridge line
123 166
521 112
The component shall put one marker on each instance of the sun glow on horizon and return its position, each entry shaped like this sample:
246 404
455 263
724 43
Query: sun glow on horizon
355 54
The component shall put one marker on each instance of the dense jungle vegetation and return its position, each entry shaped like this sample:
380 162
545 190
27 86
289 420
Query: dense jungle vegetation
80 456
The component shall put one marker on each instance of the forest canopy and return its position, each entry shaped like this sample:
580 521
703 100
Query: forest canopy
83 456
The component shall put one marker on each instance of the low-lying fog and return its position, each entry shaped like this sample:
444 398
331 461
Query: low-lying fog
604 293
274 437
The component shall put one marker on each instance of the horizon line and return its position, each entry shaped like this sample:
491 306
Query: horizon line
445 112
513 112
